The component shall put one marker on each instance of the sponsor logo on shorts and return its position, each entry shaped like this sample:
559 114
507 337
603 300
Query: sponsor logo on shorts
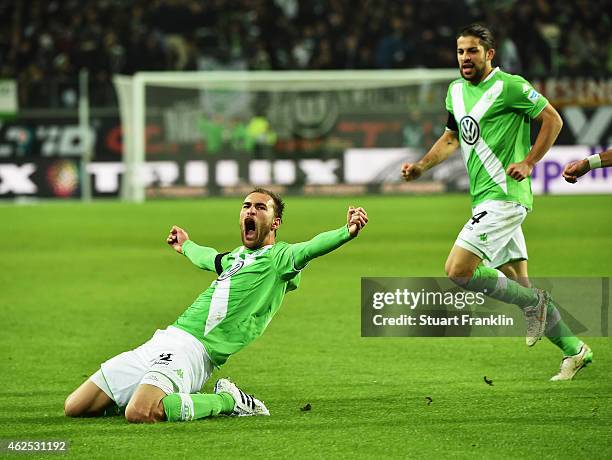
483 237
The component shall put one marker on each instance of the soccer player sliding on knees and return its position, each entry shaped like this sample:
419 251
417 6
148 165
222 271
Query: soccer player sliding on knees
487 113
160 380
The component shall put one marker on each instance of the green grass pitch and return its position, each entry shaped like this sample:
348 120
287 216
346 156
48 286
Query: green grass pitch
81 283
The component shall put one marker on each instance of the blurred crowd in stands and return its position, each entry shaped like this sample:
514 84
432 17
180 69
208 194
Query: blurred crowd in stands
44 43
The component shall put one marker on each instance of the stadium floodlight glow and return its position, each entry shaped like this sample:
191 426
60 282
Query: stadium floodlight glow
142 94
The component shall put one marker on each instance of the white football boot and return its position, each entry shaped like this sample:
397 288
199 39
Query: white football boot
570 365
535 317
246 405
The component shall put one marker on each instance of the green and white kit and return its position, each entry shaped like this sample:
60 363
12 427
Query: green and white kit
172 360
493 118
234 310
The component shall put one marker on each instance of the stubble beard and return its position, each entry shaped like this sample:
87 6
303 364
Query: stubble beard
261 233
477 74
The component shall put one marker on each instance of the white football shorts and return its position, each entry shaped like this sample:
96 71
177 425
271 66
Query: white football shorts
172 360
494 233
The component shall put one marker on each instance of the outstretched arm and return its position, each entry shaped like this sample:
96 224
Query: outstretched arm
440 151
323 243
579 168
200 256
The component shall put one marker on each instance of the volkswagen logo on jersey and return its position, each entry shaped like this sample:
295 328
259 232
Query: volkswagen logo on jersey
470 131
230 271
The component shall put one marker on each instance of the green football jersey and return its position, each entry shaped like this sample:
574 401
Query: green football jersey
494 125
238 306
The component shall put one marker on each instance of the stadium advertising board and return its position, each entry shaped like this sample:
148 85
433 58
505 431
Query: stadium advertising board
546 177
185 135
41 177
585 126
365 166
59 177
407 128
576 91
49 135
357 171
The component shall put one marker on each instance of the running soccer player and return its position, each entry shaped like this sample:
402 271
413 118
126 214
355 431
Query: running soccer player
160 379
488 117
579 168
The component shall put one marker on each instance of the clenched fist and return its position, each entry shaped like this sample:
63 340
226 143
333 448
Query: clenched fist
176 238
356 219
411 171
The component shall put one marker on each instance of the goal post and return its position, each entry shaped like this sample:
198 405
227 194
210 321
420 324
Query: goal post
130 93
193 121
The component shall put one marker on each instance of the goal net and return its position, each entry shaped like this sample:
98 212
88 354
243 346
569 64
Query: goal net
219 132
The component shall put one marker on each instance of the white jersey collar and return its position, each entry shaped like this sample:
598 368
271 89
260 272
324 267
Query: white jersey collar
493 72
256 252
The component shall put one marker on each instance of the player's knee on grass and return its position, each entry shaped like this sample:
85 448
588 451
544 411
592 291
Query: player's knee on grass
78 408
72 408
86 401
146 406
140 413
75 407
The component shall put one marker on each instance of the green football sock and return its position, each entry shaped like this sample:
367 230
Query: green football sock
495 284
183 407
559 333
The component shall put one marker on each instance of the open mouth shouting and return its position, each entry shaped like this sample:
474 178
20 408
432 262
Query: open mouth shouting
250 229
